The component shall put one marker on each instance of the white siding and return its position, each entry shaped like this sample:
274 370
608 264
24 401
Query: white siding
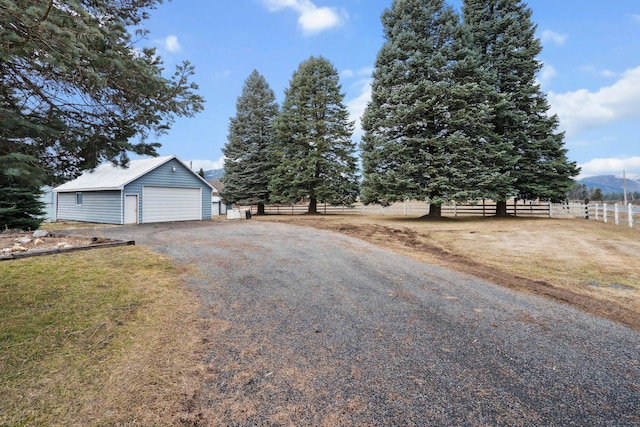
48 198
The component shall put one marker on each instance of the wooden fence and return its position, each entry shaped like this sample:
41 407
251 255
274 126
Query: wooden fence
484 208
608 213
570 210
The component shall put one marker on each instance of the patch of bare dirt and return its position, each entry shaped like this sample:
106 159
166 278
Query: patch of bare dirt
422 244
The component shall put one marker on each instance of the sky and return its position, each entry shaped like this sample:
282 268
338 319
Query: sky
591 73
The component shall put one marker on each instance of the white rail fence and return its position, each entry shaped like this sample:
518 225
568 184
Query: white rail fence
619 214
607 213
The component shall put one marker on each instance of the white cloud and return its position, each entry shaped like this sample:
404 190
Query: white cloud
347 74
636 17
171 44
552 36
311 18
357 105
547 74
595 71
206 164
222 74
583 110
610 166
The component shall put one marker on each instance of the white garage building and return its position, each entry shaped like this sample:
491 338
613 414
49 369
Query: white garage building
157 189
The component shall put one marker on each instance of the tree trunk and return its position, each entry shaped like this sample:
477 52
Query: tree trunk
260 209
435 211
313 205
501 208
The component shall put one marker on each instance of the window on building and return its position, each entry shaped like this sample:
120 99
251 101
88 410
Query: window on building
78 198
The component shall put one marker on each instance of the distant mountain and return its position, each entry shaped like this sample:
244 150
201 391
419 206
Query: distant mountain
610 183
213 173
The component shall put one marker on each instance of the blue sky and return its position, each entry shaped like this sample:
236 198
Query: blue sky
591 72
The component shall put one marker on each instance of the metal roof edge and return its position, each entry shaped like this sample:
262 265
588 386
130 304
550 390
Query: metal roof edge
80 189
138 175
196 174
146 171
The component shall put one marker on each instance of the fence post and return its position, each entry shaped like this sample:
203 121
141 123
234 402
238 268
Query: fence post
586 209
604 212
597 212
616 214
630 207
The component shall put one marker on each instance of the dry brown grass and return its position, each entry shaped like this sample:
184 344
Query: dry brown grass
104 337
591 265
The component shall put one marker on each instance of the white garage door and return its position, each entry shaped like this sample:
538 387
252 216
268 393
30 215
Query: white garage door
160 204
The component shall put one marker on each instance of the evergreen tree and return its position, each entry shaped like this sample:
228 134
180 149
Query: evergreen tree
314 155
505 38
201 173
427 128
596 194
247 151
20 183
73 90
578 192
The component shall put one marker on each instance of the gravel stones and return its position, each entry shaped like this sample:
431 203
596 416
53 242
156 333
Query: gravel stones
309 327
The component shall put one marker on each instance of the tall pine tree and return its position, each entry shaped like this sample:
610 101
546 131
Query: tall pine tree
21 171
247 165
427 128
20 181
314 155
505 38
75 92
74 87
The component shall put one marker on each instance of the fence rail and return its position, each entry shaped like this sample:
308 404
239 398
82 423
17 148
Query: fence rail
609 213
619 214
485 208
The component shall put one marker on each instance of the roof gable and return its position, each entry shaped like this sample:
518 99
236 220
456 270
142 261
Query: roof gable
109 177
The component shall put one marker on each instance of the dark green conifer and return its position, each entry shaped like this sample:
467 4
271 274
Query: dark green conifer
314 155
74 92
20 189
505 38
247 151
428 133
70 70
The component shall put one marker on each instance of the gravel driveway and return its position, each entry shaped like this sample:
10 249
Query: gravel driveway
309 327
